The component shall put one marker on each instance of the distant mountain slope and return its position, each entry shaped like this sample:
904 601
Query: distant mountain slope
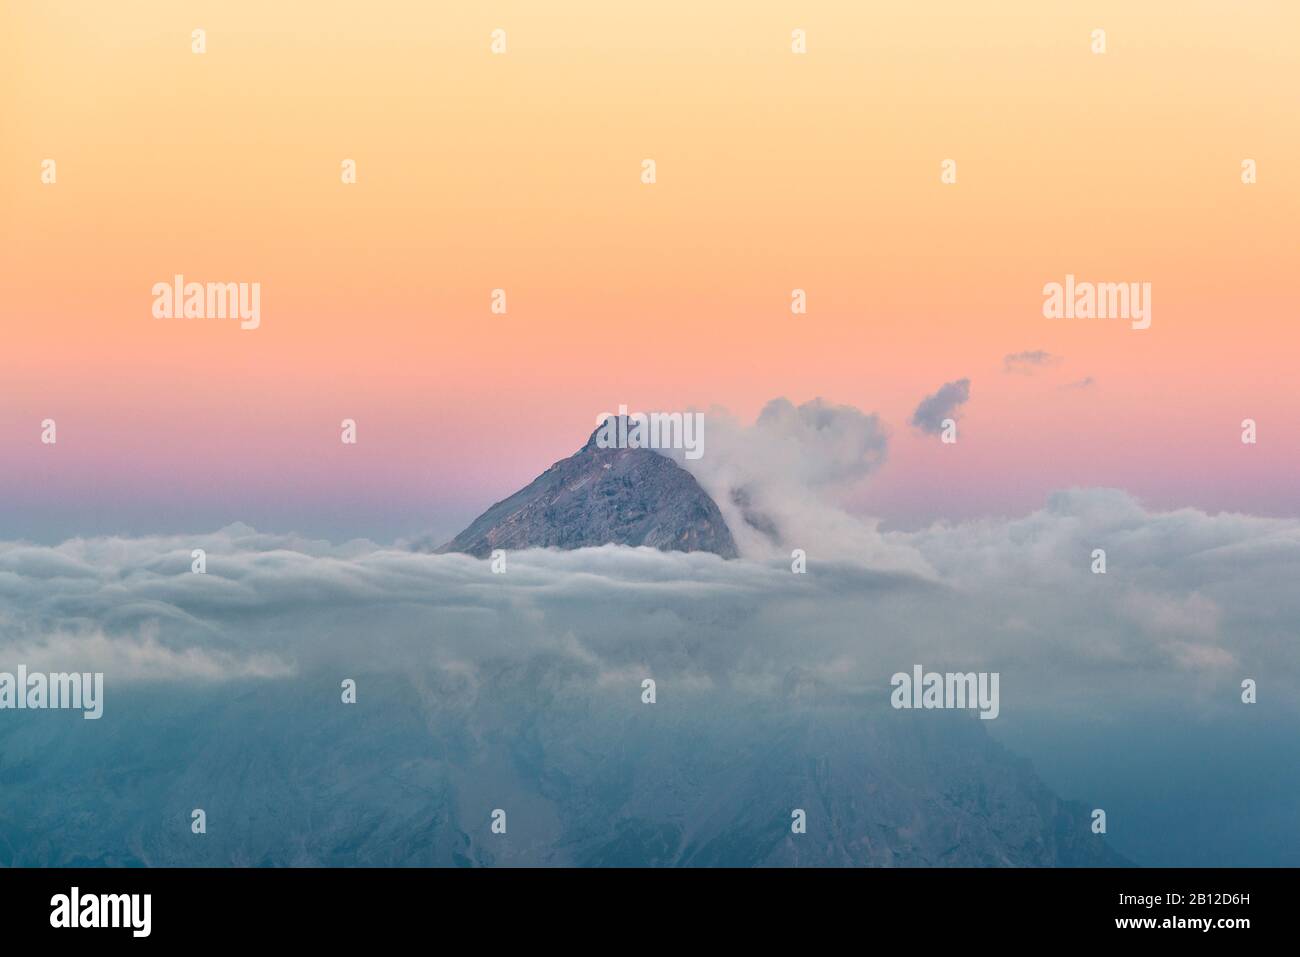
603 496
410 775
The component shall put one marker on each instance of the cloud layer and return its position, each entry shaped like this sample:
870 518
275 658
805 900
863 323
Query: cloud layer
1190 604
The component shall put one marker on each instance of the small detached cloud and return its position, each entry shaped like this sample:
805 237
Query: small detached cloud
1085 383
1025 363
929 415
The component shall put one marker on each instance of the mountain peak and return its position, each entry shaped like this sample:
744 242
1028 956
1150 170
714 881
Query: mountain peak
601 496
621 423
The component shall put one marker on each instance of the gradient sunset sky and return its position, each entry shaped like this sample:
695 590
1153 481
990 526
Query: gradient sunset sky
522 171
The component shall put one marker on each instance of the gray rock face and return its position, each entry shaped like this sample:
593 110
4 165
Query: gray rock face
603 496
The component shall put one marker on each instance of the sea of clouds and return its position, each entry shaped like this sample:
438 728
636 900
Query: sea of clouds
1190 605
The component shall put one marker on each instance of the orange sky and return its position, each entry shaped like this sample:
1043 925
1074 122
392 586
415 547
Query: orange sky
521 171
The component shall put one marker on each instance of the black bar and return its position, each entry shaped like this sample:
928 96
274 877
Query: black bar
605 907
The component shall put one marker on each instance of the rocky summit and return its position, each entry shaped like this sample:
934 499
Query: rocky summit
601 496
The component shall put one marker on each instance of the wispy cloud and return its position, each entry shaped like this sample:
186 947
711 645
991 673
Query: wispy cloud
1026 363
